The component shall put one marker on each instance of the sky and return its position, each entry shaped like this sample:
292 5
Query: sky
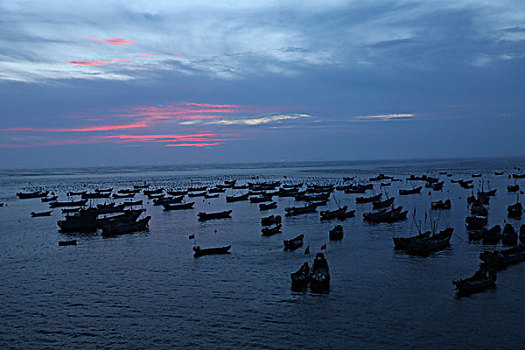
160 82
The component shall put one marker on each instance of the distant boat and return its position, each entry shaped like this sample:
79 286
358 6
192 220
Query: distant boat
96 195
515 211
197 189
198 251
271 220
509 236
513 188
480 281
369 199
333 214
42 213
268 206
124 228
36 194
476 222
126 195
440 205
181 206
294 243
293 211
48 199
177 192
383 204
336 234
76 193
57 204
403 243
410 191
208 195
242 197
491 236
197 194
217 190
432 244
66 243
270 231
217 215
155 191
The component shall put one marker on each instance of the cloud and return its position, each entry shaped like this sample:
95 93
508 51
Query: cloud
112 41
90 63
384 117
195 144
250 121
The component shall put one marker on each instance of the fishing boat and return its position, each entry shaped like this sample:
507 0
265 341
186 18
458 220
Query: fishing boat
432 244
83 221
518 176
515 211
491 236
336 234
28 195
271 220
440 205
369 199
240 187
386 215
348 214
476 222
217 215
48 199
155 191
120 196
320 274
312 197
217 190
78 203
478 210
208 195
268 206
383 204
198 251
509 236
300 277
438 186
480 281
333 214
71 210
103 190
261 199
124 228
128 190
513 188
66 243
110 208
402 243
178 206
41 213
126 217
242 197
501 259
132 203
287 192
71 194
298 185
293 211
476 175
381 177
410 191
498 173
92 195
294 243
197 194
270 231
177 192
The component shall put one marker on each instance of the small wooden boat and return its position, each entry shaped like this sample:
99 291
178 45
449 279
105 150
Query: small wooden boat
103 190
509 236
478 210
42 213
301 277
155 191
432 244
298 185
80 193
217 215
261 199
270 231
93 195
240 187
132 203
49 199
386 215
440 205
198 251
197 189
217 190
124 228
515 211
320 274
513 188
383 204
57 204
268 206
481 280
348 214
271 220
333 214
402 243
66 243
498 173
476 222
70 210
177 206
438 186
242 197
476 175
369 199
491 236
294 243
518 176
411 191
293 211
120 196
336 234
128 190
197 194
28 195
177 192
501 259
155 196
208 195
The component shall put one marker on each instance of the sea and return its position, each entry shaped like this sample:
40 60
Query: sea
145 290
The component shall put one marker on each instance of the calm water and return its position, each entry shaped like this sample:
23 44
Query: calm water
146 290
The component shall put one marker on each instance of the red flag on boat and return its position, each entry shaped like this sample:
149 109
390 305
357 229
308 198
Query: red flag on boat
191 237
323 247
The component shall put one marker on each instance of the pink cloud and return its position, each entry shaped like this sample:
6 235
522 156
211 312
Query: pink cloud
206 145
112 41
90 63
209 105
141 124
152 54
